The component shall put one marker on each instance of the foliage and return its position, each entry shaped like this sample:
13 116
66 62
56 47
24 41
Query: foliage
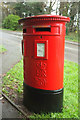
24 9
2 49
7 8
73 15
72 36
67 28
70 9
14 79
29 8
13 82
11 22
63 9
49 6
21 8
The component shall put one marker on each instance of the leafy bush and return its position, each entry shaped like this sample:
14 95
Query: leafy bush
11 22
2 49
67 28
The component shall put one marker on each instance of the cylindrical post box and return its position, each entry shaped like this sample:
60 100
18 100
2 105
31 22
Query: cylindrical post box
43 56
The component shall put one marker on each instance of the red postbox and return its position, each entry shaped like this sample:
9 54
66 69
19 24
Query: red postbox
43 56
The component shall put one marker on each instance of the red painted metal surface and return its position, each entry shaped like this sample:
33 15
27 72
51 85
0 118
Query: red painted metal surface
44 72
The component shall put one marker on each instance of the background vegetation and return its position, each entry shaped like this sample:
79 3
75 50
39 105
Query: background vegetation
2 49
11 22
25 9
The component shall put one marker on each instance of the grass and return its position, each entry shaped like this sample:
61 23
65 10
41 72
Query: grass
13 81
72 36
18 30
4 29
2 49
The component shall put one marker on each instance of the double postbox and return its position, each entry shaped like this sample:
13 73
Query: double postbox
43 56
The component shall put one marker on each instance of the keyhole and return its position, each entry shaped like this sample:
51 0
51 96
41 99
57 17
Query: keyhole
41 37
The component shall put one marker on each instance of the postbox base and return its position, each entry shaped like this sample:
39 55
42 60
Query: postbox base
37 100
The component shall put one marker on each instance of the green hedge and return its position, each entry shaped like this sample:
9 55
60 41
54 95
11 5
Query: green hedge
11 22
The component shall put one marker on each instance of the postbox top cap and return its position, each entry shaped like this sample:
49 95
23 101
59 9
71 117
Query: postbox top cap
45 17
